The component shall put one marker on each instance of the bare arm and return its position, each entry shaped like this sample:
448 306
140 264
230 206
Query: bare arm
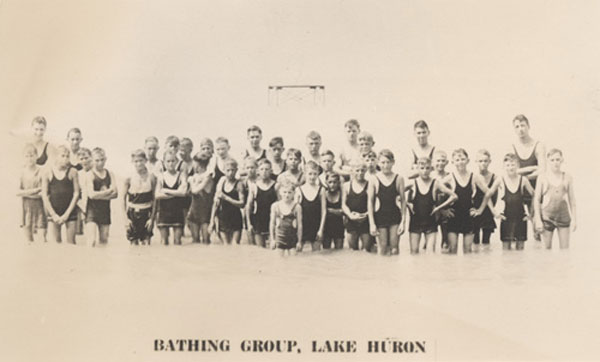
114 191
401 203
45 198
345 207
75 179
216 202
153 184
248 207
272 222
323 212
126 186
439 186
370 207
488 196
572 202
236 202
299 218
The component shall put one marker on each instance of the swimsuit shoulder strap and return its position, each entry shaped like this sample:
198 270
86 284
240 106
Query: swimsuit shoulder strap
431 152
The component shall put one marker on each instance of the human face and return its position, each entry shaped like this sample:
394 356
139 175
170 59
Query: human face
38 131
63 159
313 146
99 160
139 163
185 149
292 162
422 135
424 170
312 176
287 194
172 147
171 163
230 172
460 161
222 149
358 172
250 168
510 166
206 151
371 162
351 133
483 162
327 163
74 140
333 184
264 171
555 161
440 161
385 164
521 129
254 137
30 158
365 145
151 148
276 152
85 159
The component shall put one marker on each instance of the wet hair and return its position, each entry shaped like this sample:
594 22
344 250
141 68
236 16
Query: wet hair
276 141
421 124
294 151
510 157
83 150
207 142
74 130
254 128
231 162
553 151
138 154
327 153
172 140
98 151
39 120
313 136
151 139
169 153
264 161
521 118
352 123
311 165
30 148
188 141
485 153
222 140
387 154
424 161
459 151
332 175
364 135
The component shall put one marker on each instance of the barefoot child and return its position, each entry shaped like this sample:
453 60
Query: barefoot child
311 198
349 152
313 145
292 173
151 148
249 170
60 190
286 220
226 210
277 162
85 160
34 218
327 164
222 151
355 206
171 187
101 187
554 202
387 205
258 207
484 224
74 140
370 159
138 203
202 188
422 205
334 221
513 227
440 161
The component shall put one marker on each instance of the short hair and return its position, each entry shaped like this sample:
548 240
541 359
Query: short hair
328 153
440 153
510 157
83 150
313 135
264 161
311 165
421 124
168 153
74 130
332 175
287 185
484 152
222 139
459 151
207 142
29 147
358 163
424 161
352 123
172 140
295 152
62 148
250 160
521 118
364 135
186 140
139 154
39 120
254 128
554 151
151 139
387 154
231 162
276 141
370 154
98 151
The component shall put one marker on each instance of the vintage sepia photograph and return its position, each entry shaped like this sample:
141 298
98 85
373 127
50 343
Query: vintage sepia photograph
332 180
